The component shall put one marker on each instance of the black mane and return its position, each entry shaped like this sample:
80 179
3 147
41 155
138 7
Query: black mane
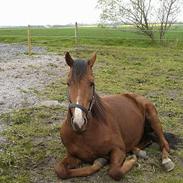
98 110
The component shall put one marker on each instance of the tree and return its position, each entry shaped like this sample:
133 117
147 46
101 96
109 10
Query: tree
141 13
167 15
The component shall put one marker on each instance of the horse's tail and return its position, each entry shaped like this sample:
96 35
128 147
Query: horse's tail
150 136
173 140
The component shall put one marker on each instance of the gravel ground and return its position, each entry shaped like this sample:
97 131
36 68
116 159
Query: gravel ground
21 74
10 52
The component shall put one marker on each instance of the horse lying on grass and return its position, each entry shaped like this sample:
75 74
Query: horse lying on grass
103 130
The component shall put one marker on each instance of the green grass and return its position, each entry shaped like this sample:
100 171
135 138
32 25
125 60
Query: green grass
64 37
32 134
32 142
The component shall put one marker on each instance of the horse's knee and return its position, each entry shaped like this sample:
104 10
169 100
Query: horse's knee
61 171
115 173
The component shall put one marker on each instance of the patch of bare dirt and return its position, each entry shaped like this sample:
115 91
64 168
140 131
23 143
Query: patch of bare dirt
21 75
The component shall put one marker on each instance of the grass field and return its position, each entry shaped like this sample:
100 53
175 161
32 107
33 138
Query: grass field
64 37
33 133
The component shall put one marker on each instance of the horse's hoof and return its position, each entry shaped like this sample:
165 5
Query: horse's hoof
101 161
142 154
168 164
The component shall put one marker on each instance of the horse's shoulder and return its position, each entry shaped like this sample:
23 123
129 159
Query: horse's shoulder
65 130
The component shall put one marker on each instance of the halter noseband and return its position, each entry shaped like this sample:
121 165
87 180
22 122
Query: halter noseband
85 110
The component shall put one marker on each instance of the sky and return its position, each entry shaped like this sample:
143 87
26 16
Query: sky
49 12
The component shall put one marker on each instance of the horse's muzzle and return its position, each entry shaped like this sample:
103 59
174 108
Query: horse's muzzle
77 128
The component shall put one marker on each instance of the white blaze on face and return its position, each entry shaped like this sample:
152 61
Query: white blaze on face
78 114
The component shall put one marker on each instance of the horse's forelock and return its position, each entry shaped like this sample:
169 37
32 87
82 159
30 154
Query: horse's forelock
79 70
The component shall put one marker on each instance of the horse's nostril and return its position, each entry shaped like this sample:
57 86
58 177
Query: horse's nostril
76 126
85 121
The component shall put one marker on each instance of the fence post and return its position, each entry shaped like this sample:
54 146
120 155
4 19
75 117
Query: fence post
76 33
29 40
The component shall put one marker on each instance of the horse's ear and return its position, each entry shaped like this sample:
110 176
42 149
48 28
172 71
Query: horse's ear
91 61
69 59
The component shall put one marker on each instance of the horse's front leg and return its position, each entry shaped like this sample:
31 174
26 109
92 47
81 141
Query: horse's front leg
88 170
63 171
118 165
62 167
117 158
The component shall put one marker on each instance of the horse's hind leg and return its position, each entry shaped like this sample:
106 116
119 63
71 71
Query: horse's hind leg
152 117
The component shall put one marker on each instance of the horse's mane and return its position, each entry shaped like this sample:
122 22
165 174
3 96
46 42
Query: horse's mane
98 110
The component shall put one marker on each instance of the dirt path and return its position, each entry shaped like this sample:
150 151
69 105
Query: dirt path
20 75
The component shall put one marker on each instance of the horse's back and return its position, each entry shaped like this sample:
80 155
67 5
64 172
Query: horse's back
127 117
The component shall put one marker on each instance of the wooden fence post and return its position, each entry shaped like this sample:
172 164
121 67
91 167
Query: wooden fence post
29 40
76 33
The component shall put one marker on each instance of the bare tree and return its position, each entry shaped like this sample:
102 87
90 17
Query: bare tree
142 13
167 15
139 12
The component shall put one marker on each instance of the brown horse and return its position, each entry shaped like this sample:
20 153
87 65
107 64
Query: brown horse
104 129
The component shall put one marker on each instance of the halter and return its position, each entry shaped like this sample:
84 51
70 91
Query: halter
85 110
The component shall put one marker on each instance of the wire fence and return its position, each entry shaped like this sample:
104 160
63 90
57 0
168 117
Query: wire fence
83 35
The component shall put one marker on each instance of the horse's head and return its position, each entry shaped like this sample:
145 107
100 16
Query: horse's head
81 91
